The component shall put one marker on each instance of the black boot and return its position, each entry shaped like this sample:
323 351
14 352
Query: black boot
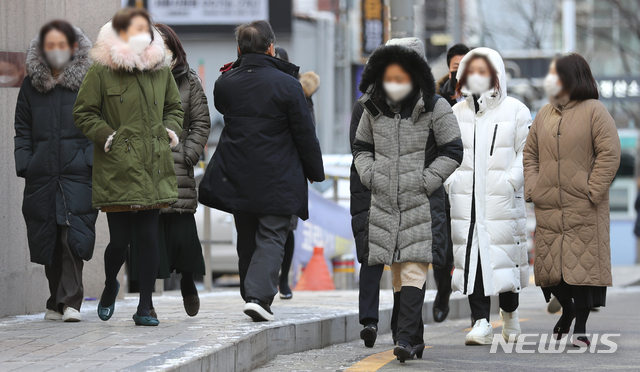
394 317
403 351
369 334
410 323
441 303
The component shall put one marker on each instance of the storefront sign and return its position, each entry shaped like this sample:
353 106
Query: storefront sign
372 25
208 12
12 69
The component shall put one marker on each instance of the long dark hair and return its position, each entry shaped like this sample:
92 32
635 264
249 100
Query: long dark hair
575 74
495 82
172 42
59 25
122 20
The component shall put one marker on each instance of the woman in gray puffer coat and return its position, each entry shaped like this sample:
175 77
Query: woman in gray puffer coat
180 247
407 143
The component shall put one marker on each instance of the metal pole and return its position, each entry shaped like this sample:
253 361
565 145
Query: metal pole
568 25
208 280
401 16
457 23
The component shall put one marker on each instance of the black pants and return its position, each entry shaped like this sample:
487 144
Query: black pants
289 247
261 240
442 275
369 294
481 304
120 233
64 276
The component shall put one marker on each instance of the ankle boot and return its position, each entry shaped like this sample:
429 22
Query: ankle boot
510 325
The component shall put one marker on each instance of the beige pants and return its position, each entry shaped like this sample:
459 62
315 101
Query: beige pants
408 274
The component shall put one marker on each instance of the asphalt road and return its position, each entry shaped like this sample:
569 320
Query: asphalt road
447 351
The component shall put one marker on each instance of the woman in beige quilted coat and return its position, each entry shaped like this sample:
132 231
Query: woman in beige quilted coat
570 159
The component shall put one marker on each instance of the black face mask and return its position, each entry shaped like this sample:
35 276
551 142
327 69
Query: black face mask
454 76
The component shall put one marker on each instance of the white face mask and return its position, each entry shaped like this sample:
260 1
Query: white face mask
58 58
8 80
478 84
551 85
139 42
397 92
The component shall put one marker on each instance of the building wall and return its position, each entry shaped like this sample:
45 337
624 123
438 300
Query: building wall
23 286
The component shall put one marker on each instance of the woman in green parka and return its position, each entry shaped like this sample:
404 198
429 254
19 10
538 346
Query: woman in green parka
129 106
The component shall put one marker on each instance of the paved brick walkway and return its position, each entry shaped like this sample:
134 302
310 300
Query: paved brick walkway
29 343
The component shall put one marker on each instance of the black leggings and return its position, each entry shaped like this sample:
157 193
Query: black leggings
481 304
120 232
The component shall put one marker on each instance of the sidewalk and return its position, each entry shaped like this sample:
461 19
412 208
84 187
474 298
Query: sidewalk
221 338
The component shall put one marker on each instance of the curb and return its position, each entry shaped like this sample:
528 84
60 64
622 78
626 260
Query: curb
257 348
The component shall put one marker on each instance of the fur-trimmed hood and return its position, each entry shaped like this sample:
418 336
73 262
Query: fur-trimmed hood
114 53
71 77
408 53
310 82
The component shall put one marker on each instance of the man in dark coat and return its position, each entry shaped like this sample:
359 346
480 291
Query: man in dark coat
267 151
446 87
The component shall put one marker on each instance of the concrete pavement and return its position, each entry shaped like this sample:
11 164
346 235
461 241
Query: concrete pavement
221 338
447 351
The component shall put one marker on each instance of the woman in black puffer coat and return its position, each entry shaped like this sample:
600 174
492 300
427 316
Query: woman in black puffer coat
55 159
180 247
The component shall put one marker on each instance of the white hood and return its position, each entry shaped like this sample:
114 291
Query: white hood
493 97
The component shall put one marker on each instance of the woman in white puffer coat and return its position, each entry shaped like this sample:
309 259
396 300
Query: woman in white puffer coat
488 217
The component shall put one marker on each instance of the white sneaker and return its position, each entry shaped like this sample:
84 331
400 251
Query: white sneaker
510 325
52 315
481 334
71 315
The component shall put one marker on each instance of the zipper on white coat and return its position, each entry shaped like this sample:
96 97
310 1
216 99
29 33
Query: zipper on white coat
493 142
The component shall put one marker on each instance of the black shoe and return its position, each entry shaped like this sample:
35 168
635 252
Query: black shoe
191 304
258 310
285 290
440 308
369 334
403 352
417 351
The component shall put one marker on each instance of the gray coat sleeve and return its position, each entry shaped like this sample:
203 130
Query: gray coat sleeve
447 135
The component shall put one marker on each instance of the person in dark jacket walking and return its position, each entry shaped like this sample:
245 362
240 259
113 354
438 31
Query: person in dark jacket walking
407 143
55 159
129 106
310 82
446 87
180 247
267 152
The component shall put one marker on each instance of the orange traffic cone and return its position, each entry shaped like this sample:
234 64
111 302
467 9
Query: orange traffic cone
316 276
